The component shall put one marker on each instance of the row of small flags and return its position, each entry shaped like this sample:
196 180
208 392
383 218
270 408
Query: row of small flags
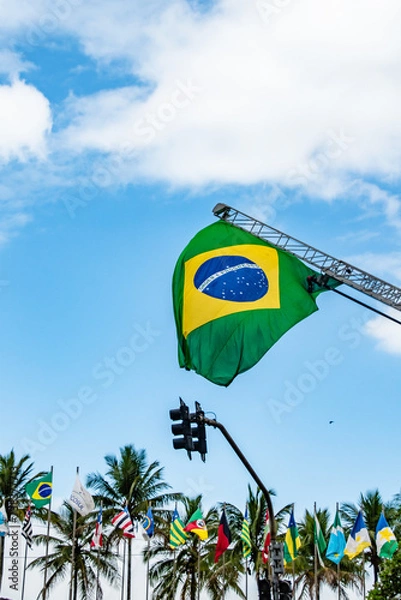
40 493
337 547
197 525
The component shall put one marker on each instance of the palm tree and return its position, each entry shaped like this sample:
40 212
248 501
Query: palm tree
389 585
350 573
132 483
86 562
191 567
14 474
371 505
257 507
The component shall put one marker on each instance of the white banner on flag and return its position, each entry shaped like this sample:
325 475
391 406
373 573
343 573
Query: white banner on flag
13 561
81 499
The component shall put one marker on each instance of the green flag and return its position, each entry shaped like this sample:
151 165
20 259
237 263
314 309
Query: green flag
40 490
386 542
292 540
234 296
196 524
246 536
177 533
320 542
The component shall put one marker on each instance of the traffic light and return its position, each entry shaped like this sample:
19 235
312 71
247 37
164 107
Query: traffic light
285 590
199 432
183 429
276 558
264 589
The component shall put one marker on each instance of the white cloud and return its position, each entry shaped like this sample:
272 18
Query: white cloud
25 121
314 91
305 94
15 15
11 64
386 266
386 333
11 224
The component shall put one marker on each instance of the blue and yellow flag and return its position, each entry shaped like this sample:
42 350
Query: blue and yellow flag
292 540
358 539
386 542
234 296
336 547
148 523
40 490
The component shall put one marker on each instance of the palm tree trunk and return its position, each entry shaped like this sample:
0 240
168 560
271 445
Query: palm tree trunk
129 569
375 564
75 582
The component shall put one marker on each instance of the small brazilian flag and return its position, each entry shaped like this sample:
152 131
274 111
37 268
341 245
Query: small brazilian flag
40 490
234 296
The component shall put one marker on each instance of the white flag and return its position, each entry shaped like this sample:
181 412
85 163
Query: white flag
81 499
3 520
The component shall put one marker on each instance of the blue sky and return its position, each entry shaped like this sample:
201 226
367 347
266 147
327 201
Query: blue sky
122 126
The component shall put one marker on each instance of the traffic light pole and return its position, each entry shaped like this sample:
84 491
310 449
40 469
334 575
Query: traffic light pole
264 490
191 436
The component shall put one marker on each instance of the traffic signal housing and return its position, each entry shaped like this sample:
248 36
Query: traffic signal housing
285 590
264 589
182 430
276 558
191 431
199 432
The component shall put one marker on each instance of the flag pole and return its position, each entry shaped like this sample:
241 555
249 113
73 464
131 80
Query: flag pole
246 578
338 568
97 572
199 569
172 594
224 561
44 593
293 578
98 564
24 572
74 532
147 572
364 582
123 570
224 575
315 551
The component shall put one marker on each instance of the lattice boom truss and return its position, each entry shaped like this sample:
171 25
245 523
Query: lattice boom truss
338 269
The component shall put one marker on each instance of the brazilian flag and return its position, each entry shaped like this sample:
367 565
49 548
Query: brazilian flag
40 490
234 296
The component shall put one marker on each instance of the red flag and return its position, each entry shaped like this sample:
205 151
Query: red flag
97 538
223 537
267 539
